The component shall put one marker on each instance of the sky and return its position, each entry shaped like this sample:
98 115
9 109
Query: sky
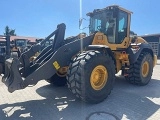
38 18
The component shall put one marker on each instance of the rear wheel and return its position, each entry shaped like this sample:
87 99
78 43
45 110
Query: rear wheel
141 71
91 76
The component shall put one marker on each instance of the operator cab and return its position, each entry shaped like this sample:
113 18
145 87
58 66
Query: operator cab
113 21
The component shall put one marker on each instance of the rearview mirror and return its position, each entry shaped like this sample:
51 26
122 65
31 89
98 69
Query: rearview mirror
80 23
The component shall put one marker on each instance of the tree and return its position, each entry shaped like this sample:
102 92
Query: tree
9 31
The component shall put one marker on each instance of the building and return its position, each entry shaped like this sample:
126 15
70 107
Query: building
31 39
154 41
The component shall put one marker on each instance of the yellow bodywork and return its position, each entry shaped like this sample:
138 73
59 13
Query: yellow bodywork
121 57
101 39
141 40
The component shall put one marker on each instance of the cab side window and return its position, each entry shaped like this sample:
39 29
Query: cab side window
122 28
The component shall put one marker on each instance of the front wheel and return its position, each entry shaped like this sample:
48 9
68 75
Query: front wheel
91 76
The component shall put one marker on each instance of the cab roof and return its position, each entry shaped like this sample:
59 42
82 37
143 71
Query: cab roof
107 8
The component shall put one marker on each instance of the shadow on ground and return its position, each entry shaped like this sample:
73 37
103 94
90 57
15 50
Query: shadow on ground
126 101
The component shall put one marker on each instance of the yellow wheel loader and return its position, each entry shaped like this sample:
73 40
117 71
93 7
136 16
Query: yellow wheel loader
88 64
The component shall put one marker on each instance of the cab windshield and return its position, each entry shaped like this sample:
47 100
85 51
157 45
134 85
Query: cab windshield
101 21
113 26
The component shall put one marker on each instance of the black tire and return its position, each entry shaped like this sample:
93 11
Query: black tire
79 76
135 73
57 80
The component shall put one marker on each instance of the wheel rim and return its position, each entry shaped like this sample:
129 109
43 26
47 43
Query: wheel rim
98 77
145 69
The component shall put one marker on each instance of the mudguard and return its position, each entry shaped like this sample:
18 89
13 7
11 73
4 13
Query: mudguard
134 53
102 48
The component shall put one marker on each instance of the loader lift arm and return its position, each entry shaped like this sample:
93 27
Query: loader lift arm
58 39
12 77
47 63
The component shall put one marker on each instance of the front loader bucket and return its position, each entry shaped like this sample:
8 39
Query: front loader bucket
12 78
